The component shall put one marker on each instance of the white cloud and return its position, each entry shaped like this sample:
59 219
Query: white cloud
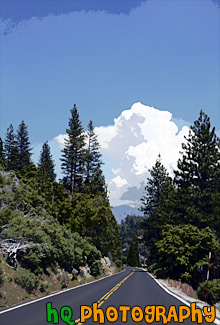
61 139
105 135
118 181
134 142
131 146
116 171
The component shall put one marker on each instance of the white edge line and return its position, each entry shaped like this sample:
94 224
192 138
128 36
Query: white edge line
169 292
56 293
216 321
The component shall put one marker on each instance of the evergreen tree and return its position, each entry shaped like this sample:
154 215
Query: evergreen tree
151 197
11 151
2 154
164 213
98 185
159 203
198 176
73 154
95 180
24 154
133 253
46 164
46 175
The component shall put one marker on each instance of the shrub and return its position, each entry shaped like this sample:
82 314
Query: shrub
94 260
43 287
213 292
96 268
27 280
7 214
118 263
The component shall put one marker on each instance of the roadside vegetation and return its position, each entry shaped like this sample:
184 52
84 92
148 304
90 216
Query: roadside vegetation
182 223
53 234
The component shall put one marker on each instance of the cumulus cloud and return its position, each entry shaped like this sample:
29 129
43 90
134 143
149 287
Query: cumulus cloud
105 135
131 146
61 140
138 136
118 181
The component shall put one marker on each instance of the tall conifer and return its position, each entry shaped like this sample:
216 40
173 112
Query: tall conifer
46 166
133 253
198 174
11 151
94 178
158 176
23 145
74 154
158 203
2 154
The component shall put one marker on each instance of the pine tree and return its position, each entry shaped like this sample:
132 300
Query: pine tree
23 144
46 162
74 154
11 151
92 153
159 203
94 180
198 174
158 176
46 166
133 253
2 154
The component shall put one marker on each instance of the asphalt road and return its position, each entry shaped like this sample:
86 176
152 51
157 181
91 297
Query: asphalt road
129 288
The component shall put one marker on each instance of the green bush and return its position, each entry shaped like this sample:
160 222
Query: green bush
43 287
32 260
213 292
183 250
118 263
94 260
52 244
96 268
7 214
27 280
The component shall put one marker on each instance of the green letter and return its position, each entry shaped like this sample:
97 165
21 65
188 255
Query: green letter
52 311
66 316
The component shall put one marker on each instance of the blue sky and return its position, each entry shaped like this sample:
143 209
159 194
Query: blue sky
105 56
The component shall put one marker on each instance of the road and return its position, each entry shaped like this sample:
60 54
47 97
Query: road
133 287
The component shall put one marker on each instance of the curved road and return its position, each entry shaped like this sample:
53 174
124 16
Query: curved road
133 287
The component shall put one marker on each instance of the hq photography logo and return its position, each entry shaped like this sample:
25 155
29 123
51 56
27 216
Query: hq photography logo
149 314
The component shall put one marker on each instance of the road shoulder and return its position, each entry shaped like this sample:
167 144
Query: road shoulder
182 297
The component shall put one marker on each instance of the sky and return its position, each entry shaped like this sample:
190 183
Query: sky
140 70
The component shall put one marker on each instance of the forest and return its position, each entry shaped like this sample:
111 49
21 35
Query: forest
68 224
182 223
47 224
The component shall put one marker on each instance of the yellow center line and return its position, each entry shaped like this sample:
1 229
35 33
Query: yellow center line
108 294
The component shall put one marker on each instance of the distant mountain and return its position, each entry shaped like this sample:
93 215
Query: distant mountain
121 211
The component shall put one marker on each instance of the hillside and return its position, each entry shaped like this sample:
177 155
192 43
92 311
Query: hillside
39 255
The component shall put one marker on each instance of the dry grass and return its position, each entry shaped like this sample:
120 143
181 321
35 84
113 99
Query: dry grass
12 294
